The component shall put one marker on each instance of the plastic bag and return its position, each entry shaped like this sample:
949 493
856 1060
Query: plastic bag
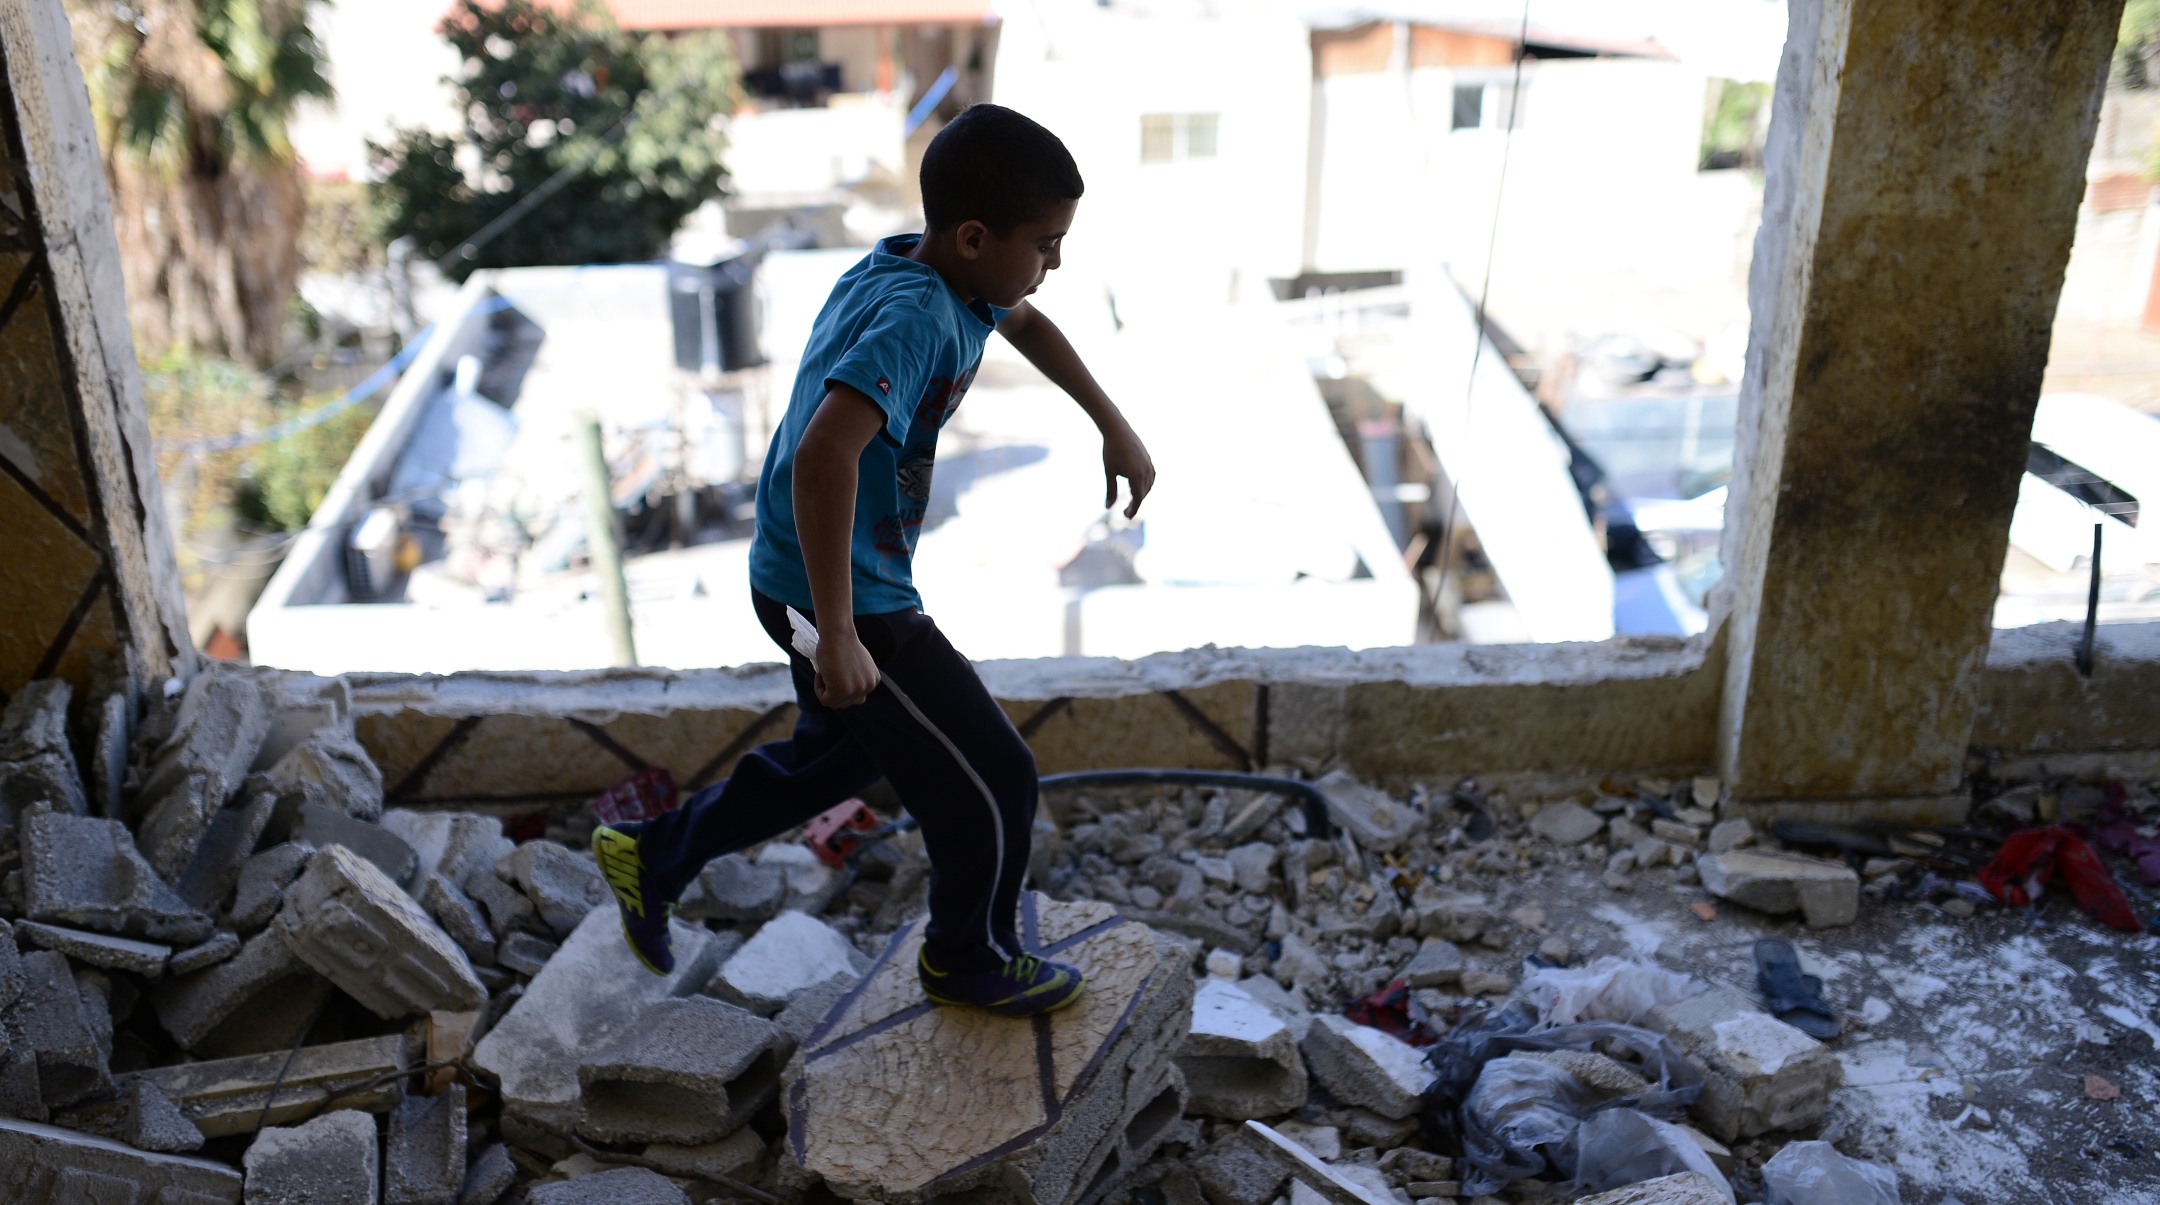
1519 1119
1619 1147
1610 989
1815 1173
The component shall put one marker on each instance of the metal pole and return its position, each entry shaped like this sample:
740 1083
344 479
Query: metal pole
601 540
2092 610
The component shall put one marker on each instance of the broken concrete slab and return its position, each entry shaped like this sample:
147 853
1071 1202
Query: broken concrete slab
593 989
190 1007
424 1152
173 829
319 825
331 768
1236 1173
1825 893
1687 1188
221 946
524 953
460 917
739 1156
1240 1059
144 958
1437 963
1377 822
95 989
222 720
812 885
148 1120
1764 1075
1327 1182
734 889
87 873
226 1096
622 1186
47 778
107 770
1360 1065
1455 915
224 849
327 1161
1566 823
490 1176
1040 1116
1728 835
55 1027
1252 866
804 1013
450 844
508 911
36 762
347 919
261 886
11 972
46 1165
692 1072
563 885
790 955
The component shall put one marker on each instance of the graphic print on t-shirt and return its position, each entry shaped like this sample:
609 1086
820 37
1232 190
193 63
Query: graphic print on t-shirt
896 534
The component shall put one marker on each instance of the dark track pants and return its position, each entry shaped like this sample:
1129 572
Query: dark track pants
960 768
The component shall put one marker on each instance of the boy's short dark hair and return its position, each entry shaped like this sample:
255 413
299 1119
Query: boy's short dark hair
997 167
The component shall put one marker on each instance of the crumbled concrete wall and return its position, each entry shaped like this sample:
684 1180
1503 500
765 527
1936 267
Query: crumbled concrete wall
2036 709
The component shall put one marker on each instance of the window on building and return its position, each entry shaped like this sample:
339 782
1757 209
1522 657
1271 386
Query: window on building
1172 137
1488 104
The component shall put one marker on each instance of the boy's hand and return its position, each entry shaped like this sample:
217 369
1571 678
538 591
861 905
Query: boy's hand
1123 455
845 673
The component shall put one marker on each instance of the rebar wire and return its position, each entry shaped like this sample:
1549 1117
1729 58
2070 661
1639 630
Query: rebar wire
1492 242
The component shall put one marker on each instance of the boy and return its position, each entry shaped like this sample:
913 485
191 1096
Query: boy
839 506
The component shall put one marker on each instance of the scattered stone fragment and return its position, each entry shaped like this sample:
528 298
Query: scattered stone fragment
1251 818
347 920
2100 1088
1764 1075
88 873
1729 835
1324 1142
1240 1059
1330 1184
223 852
148 1120
1606 1076
451 844
225 1096
331 768
54 1026
524 953
1238 1174
46 1165
95 990
790 955
1216 872
1824 892
1566 823
1556 950
191 1006
1438 962
221 946
143 958
320 825
1487 983
693 1071
261 886
1224 964
37 765
622 1186
739 1156
1253 867
1456 916
1703 909
461 918
1377 822
734 888
1687 1188
508 911
1409 1165
1959 907
1684 835
564 886
327 1161
593 989
489 1177
1360 1065
424 1154
812 885
223 717
173 829
802 1016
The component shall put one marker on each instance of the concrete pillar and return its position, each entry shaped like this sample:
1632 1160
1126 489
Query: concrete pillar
1925 165
88 587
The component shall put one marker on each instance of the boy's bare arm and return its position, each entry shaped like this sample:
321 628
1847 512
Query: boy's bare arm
824 492
1046 348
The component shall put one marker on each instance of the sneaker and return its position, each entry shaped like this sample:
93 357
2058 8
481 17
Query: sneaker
1024 987
646 929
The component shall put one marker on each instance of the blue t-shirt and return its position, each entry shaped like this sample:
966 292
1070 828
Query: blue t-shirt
894 330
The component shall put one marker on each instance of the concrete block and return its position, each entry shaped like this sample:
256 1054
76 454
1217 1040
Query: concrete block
1330 1184
346 919
622 1186
50 1021
46 1165
524 953
460 917
803 1014
217 731
261 886
1687 836
812 886
1824 892
1360 1065
1437 963
734 889
37 765
791 954
1240 1059
1238 1174
424 1151
1728 835
190 1007
1687 1188
221 946
739 1156
327 1161
222 852
508 911
563 885
1377 822
489 1177
174 827
693 1071
88 873
1037 1110
225 1096
1566 823
149 1120
1456 916
1253 865
331 768
41 778
591 991
450 844
319 824
1764 1075
143 958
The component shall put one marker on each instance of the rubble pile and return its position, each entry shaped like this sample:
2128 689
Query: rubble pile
228 973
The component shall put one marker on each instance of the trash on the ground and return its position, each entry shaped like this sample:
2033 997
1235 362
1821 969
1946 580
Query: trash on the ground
2029 859
1618 1147
648 793
2117 829
1388 1010
2101 1088
1793 996
1816 1173
1609 989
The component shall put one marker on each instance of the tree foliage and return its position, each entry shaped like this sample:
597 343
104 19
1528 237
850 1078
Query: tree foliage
540 90
2137 46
